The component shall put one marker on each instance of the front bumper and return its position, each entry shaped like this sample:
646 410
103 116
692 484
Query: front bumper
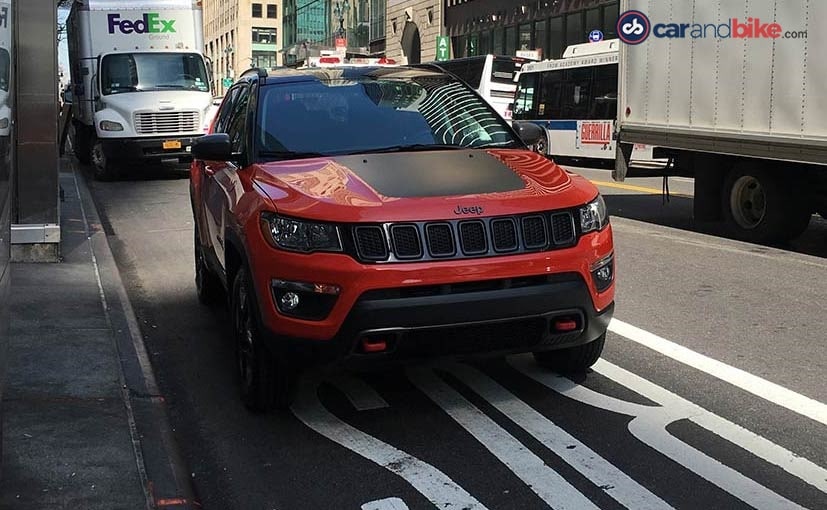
147 149
493 305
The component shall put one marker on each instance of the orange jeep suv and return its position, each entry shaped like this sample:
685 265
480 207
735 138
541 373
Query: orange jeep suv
369 215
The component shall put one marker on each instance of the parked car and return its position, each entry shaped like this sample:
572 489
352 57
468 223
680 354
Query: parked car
370 215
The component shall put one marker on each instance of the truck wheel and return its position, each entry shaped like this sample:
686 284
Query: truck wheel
574 359
267 381
207 285
101 166
760 206
80 144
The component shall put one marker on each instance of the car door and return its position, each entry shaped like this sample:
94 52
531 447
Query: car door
222 186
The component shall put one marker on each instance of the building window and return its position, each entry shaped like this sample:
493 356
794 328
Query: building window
541 37
497 45
511 40
264 59
272 11
593 20
264 35
256 10
524 42
610 15
557 37
575 33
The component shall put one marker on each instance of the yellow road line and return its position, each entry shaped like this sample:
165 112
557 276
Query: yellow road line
642 189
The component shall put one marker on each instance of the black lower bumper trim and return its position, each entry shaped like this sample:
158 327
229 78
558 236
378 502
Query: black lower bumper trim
143 149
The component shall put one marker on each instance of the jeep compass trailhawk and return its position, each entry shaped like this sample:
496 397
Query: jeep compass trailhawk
368 215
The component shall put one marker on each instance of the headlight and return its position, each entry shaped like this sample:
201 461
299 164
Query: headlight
300 235
594 215
108 125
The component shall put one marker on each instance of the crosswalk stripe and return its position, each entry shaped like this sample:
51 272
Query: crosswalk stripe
432 483
362 396
544 481
614 482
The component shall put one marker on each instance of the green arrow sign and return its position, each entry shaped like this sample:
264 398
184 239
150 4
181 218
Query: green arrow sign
227 82
443 48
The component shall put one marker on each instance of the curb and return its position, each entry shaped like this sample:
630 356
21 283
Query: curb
166 479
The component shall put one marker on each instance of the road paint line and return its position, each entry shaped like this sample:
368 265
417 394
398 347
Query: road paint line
649 425
432 483
549 485
385 504
362 396
614 482
642 189
758 386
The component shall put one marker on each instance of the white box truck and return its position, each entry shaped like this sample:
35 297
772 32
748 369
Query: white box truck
734 92
141 83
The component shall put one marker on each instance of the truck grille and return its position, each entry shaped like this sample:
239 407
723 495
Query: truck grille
151 123
457 239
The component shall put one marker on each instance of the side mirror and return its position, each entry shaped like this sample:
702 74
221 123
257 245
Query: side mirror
528 132
214 147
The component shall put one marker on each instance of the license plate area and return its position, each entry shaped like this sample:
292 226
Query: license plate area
171 144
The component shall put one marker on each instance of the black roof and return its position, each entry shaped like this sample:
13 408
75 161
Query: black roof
287 75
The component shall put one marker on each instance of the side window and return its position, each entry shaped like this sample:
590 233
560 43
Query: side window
524 105
224 113
237 125
576 99
604 93
549 91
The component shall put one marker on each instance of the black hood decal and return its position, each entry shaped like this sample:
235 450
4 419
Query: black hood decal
433 174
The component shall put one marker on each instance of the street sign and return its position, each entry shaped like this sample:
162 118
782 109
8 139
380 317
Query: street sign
443 48
595 36
227 82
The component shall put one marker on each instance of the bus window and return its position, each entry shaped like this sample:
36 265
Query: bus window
524 105
504 69
468 70
604 94
550 90
575 101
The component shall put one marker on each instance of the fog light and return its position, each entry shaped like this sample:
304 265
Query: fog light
603 273
289 301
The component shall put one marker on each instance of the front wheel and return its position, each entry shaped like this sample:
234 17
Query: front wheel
101 165
572 360
267 381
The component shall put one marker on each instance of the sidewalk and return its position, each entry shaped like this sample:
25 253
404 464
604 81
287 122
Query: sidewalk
85 426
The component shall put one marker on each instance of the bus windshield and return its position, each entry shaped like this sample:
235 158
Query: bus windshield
139 72
577 93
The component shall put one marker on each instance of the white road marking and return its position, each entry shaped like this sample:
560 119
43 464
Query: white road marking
767 390
540 478
614 482
432 483
385 504
650 422
362 396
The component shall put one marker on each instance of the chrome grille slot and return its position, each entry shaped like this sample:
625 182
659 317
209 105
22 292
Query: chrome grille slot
148 123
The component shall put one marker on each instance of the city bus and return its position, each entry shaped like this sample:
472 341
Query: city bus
575 99
492 76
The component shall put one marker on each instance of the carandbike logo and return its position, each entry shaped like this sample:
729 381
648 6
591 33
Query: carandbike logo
634 27
149 23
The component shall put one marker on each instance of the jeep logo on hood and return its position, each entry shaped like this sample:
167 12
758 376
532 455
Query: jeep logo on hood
474 209
149 23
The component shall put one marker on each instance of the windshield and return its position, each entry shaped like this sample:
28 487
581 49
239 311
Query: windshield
139 72
504 69
351 117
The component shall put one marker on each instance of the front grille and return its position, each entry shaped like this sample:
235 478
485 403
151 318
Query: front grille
150 123
466 238
562 227
370 243
504 232
440 239
406 242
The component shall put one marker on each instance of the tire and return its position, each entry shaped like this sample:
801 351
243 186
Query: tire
207 285
80 144
760 206
101 166
541 147
266 381
573 360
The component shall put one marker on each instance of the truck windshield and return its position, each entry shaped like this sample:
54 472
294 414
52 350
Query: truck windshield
139 72
390 112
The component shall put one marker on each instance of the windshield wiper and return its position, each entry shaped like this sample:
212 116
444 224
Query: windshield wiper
290 154
416 147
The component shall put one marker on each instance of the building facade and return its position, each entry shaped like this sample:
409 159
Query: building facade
502 27
239 34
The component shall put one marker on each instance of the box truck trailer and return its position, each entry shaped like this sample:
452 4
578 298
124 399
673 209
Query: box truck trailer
141 83
734 92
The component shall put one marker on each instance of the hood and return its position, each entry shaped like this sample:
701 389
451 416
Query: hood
162 100
434 185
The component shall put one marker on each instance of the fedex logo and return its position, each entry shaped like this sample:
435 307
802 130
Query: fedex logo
150 23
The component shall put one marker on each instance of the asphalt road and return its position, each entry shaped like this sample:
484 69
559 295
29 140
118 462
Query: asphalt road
711 392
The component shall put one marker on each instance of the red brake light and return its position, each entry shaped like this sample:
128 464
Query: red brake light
330 60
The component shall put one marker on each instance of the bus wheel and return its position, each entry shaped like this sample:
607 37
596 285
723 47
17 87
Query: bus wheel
541 147
760 206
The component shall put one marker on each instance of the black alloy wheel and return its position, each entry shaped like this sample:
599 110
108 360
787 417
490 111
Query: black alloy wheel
267 381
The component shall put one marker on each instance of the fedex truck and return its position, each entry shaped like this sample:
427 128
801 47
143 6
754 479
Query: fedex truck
733 93
141 84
